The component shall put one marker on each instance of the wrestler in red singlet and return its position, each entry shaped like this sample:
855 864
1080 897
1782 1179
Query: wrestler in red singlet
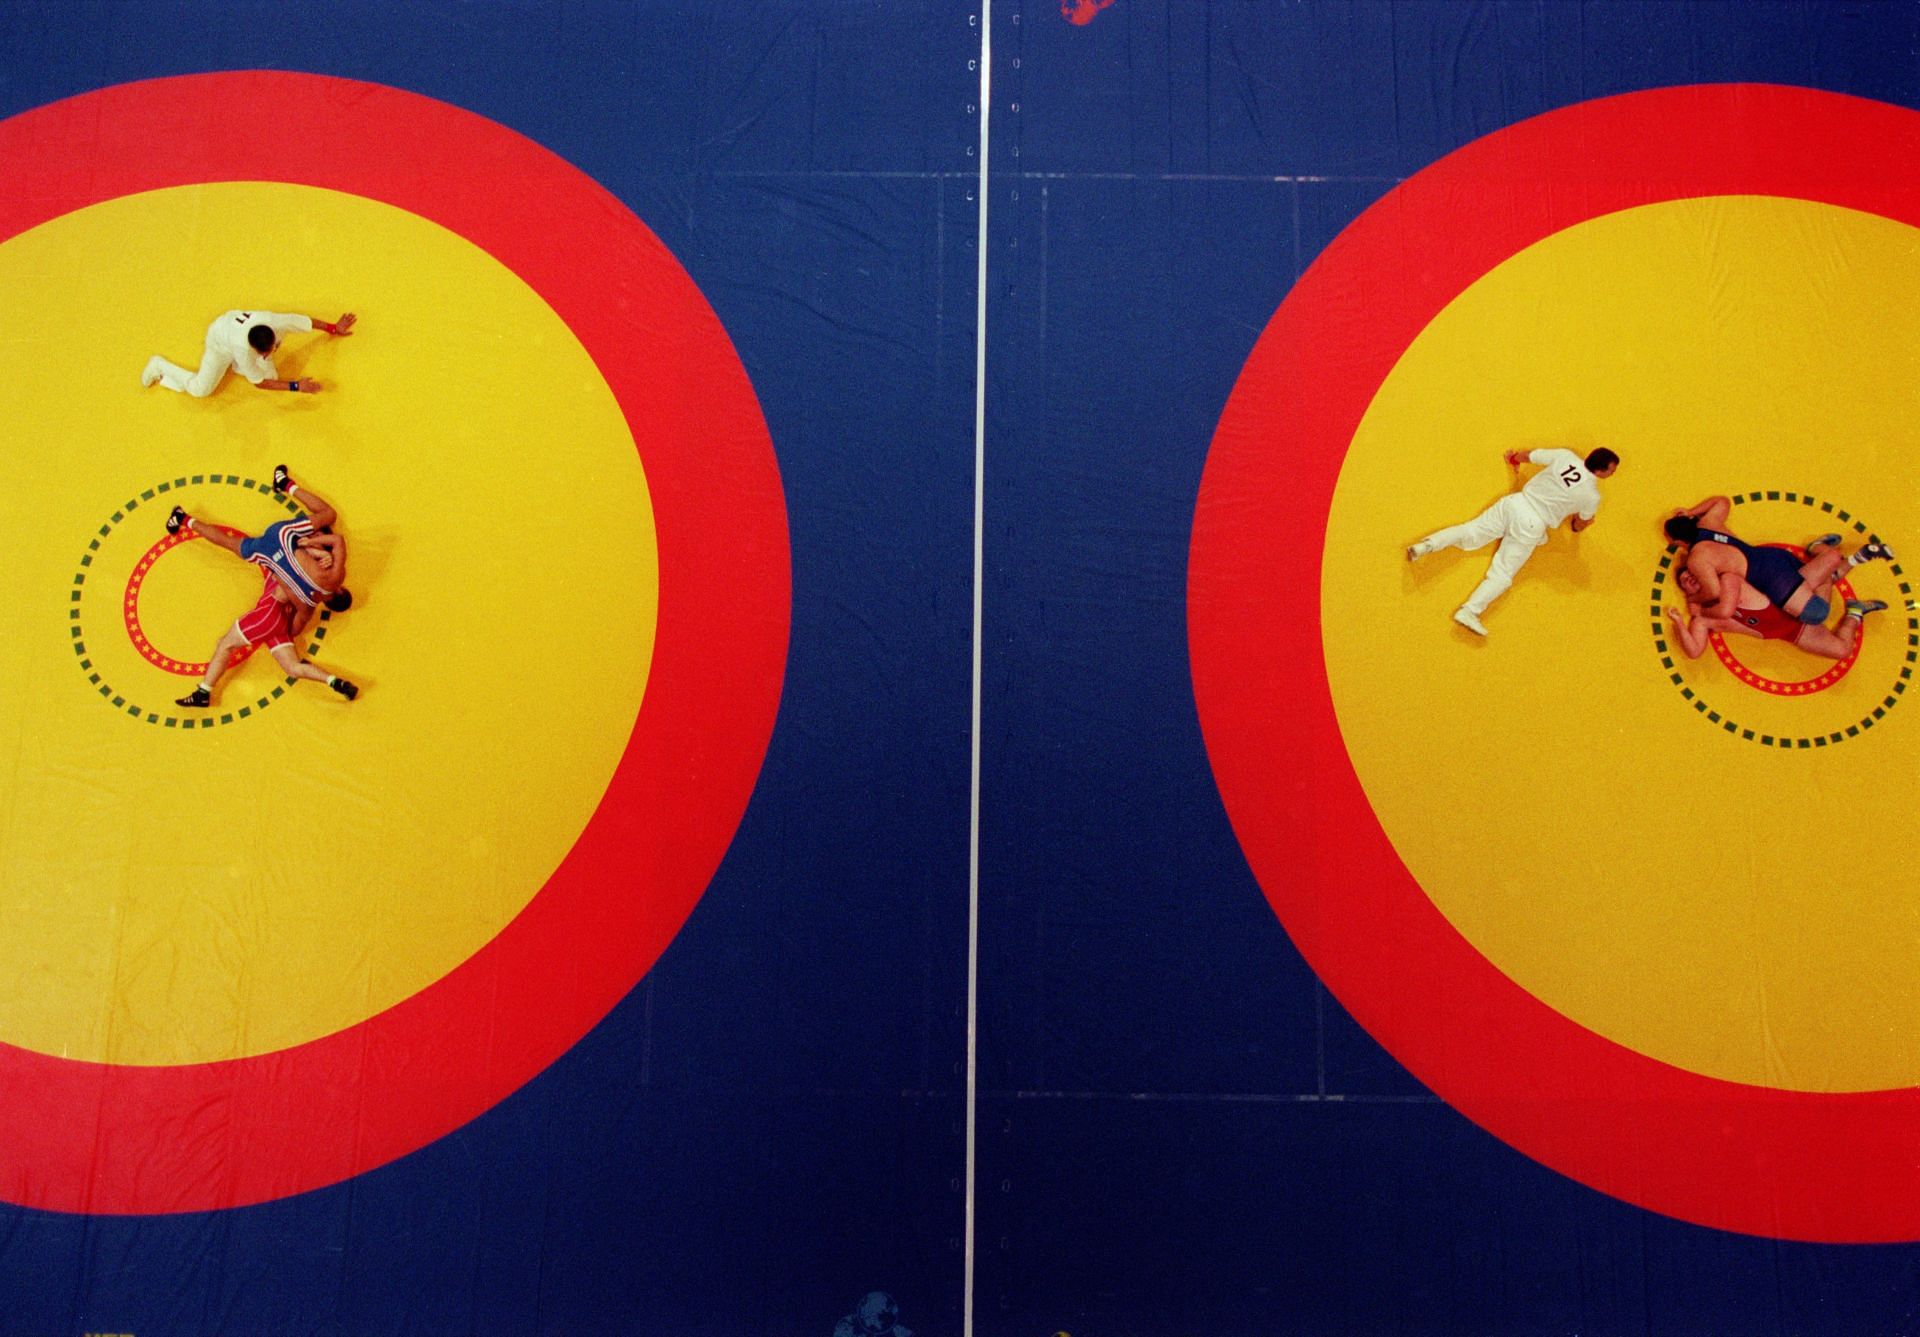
1770 622
269 622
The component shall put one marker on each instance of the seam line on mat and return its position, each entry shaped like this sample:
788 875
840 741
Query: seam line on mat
979 567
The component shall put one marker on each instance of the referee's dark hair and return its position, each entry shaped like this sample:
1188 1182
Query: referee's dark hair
261 337
1601 460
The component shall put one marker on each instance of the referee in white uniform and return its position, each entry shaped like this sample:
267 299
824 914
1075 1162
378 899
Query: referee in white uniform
243 341
1565 486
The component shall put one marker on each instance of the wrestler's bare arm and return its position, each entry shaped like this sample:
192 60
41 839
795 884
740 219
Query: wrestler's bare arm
335 546
1690 634
1719 590
1712 512
1728 626
1706 574
1726 597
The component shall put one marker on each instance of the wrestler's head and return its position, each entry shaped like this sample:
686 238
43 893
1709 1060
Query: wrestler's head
341 601
1682 528
1689 584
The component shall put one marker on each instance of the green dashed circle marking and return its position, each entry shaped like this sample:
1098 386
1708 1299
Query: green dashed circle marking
1725 722
115 697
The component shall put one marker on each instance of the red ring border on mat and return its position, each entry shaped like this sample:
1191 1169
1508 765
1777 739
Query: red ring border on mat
130 609
1785 1164
109 1138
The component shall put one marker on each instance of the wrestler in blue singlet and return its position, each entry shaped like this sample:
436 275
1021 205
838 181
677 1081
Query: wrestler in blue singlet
273 549
1775 572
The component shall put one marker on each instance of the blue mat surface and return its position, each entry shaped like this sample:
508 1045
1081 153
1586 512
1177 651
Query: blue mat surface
1179 1131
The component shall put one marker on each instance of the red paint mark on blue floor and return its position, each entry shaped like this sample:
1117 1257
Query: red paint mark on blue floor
1082 12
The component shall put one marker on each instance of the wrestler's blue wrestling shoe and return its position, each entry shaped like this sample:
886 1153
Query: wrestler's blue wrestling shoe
1824 541
1861 607
1871 552
177 519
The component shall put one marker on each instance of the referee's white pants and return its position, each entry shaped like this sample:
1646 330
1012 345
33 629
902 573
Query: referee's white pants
1519 528
199 384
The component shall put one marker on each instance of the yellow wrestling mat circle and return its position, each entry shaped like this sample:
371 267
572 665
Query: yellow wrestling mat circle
1735 903
185 894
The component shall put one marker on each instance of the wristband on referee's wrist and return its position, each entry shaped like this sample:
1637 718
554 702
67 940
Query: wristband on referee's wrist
294 386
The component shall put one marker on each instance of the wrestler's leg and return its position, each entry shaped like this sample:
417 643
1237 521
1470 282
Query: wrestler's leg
1819 572
1812 602
289 659
217 664
1839 642
216 535
1827 644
